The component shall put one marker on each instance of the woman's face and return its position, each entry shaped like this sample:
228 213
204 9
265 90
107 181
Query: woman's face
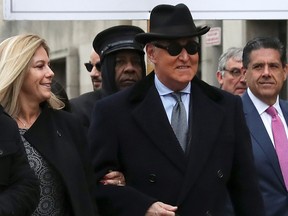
37 82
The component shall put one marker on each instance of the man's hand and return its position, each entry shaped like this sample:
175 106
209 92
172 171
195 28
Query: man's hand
161 209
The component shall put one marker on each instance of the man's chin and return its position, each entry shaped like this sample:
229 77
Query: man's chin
239 91
126 84
96 85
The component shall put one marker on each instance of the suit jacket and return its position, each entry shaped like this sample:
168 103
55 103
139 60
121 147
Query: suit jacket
268 169
61 140
130 132
19 187
82 106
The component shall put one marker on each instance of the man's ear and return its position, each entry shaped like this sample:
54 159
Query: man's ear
244 70
285 71
219 77
150 51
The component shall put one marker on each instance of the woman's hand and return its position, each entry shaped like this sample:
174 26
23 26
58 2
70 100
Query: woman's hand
114 178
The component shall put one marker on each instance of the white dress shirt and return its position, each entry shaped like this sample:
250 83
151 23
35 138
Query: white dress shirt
168 101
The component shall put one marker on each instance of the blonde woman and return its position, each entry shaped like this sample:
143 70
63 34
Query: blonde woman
54 140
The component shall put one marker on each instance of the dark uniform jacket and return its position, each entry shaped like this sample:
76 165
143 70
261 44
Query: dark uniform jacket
82 106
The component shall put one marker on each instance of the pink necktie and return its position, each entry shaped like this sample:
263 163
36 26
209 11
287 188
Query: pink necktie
280 142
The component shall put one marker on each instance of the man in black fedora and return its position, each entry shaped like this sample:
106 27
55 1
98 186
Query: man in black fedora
180 143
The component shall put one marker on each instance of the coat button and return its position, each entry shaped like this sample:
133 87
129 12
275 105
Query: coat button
1 152
152 178
220 174
208 213
59 134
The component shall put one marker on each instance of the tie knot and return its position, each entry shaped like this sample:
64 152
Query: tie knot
177 96
271 111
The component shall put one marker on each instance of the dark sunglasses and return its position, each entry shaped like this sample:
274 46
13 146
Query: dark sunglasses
90 66
175 49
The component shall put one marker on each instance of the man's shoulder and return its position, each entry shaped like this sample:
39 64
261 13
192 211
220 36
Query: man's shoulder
284 104
247 101
87 97
210 91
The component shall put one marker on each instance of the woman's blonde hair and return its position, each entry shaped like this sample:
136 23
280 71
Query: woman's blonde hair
15 55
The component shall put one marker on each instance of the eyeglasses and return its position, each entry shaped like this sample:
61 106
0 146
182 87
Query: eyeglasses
175 49
90 66
235 72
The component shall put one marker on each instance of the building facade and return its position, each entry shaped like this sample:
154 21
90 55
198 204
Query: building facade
71 43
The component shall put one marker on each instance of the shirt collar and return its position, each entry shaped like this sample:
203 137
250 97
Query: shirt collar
260 105
163 90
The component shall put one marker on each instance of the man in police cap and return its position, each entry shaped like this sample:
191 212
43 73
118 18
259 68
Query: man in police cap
169 172
122 65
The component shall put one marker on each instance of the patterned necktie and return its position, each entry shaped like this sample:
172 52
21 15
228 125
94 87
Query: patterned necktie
179 120
280 142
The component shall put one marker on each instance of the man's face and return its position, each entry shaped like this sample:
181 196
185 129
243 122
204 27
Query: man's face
265 74
174 71
128 68
232 79
95 74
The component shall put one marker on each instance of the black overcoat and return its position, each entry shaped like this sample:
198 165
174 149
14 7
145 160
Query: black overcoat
130 132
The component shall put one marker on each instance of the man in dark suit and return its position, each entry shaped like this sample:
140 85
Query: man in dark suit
165 175
264 62
122 64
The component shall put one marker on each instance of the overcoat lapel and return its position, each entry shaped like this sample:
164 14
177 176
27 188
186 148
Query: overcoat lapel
44 142
205 116
259 134
151 117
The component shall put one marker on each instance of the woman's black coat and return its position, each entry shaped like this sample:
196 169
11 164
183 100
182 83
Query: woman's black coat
19 187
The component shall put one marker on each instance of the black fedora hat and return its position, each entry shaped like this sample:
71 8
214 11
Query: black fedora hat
121 37
171 22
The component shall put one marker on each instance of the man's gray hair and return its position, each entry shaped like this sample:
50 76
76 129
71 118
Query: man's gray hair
234 53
